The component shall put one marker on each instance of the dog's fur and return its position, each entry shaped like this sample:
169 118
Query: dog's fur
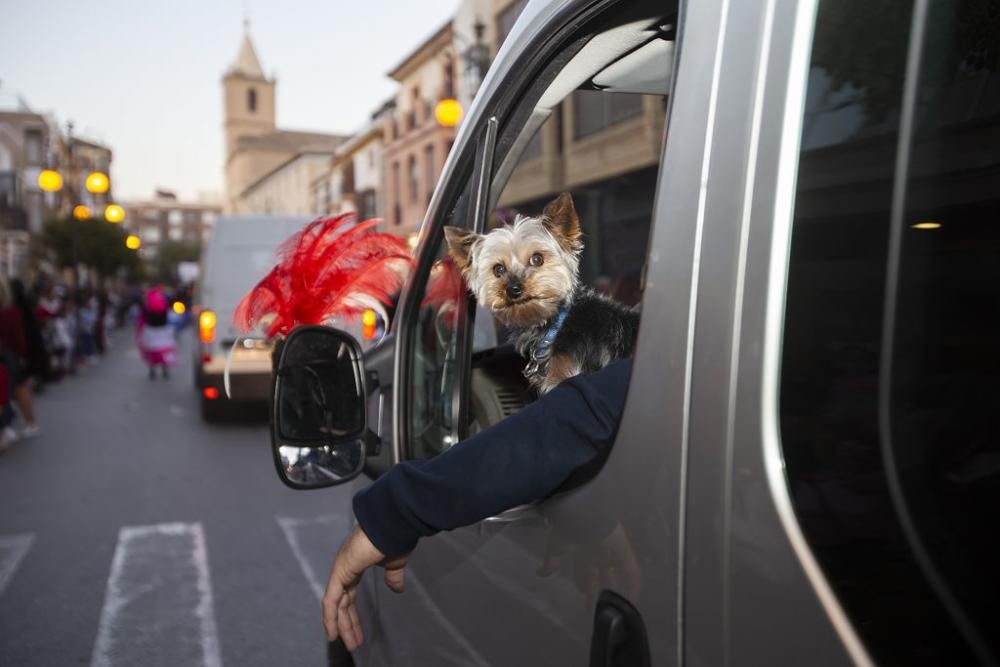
524 273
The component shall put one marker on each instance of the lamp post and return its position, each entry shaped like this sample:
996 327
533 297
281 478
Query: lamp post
97 183
477 60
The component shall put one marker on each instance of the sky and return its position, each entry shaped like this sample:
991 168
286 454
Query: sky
144 76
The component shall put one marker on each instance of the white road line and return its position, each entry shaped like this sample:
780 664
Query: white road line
12 551
290 526
158 607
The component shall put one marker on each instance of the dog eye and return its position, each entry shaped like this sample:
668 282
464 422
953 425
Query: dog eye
536 259
499 270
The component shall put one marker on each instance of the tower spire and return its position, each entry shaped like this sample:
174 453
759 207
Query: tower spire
246 62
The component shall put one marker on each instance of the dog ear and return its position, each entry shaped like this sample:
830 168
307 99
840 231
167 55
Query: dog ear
460 246
561 219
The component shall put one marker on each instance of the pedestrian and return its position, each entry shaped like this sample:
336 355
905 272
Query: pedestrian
15 359
8 436
87 315
66 328
154 334
38 359
519 460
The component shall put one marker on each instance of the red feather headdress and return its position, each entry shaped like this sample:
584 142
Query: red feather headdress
334 267
337 267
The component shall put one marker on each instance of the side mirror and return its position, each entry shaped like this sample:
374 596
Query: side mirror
319 414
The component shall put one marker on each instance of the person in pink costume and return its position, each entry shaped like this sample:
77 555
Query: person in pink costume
154 335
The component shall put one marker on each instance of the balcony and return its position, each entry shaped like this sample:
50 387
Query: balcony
10 190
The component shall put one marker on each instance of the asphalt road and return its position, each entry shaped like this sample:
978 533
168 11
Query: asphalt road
133 533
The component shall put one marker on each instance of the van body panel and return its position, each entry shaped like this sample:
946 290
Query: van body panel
690 515
748 599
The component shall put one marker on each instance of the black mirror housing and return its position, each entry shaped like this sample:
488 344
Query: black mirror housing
319 427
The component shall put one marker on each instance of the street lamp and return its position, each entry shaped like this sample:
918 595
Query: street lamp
114 213
98 183
50 180
477 60
132 242
81 212
448 112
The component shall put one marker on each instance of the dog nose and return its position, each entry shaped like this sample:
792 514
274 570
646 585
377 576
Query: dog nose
514 291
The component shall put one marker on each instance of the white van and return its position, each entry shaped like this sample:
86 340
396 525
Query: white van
240 253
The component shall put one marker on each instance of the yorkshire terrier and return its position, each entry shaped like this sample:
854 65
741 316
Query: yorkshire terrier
527 275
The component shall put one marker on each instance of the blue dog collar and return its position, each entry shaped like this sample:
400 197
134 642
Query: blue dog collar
550 335
541 352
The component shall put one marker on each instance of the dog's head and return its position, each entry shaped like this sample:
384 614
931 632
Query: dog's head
524 271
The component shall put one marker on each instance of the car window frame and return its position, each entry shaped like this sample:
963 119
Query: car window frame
530 75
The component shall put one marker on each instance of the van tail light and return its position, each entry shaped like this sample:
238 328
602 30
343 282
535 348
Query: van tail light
211 393
368 322
206 326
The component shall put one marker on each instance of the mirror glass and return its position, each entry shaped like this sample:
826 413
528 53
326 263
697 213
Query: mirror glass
319 408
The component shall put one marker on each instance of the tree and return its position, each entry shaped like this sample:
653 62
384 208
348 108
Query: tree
92 242
171 253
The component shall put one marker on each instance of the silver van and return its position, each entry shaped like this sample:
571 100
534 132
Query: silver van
239 253
807 471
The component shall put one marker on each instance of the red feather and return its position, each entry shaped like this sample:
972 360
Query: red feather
444 284
333 267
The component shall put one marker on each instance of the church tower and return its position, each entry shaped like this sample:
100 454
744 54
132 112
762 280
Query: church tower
248 100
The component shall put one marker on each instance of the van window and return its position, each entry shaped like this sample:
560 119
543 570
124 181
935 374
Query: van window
436 330
612 178
890 384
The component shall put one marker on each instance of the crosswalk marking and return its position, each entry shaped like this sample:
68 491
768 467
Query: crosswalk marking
13 548
158 606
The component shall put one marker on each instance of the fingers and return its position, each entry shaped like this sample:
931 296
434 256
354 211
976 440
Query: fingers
331 602
347 622
352 611
395 578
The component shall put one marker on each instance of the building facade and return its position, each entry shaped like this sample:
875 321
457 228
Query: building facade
165 218
26 147
416 145
31 142
354 180
77 159
257 151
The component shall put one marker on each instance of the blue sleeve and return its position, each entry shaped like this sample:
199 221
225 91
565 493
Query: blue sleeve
516 461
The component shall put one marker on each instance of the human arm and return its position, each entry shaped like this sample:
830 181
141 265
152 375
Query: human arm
516 461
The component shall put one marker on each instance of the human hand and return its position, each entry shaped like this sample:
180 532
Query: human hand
356 554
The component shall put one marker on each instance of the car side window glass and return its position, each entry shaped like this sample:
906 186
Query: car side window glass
436 330
890 385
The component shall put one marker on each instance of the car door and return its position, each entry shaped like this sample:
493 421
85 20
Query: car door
524 586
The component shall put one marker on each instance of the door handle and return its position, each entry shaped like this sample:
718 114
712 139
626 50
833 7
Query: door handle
619 638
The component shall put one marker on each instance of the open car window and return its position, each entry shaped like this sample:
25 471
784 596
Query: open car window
591 125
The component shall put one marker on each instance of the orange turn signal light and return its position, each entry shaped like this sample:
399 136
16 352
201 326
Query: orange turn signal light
206 326
368 321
